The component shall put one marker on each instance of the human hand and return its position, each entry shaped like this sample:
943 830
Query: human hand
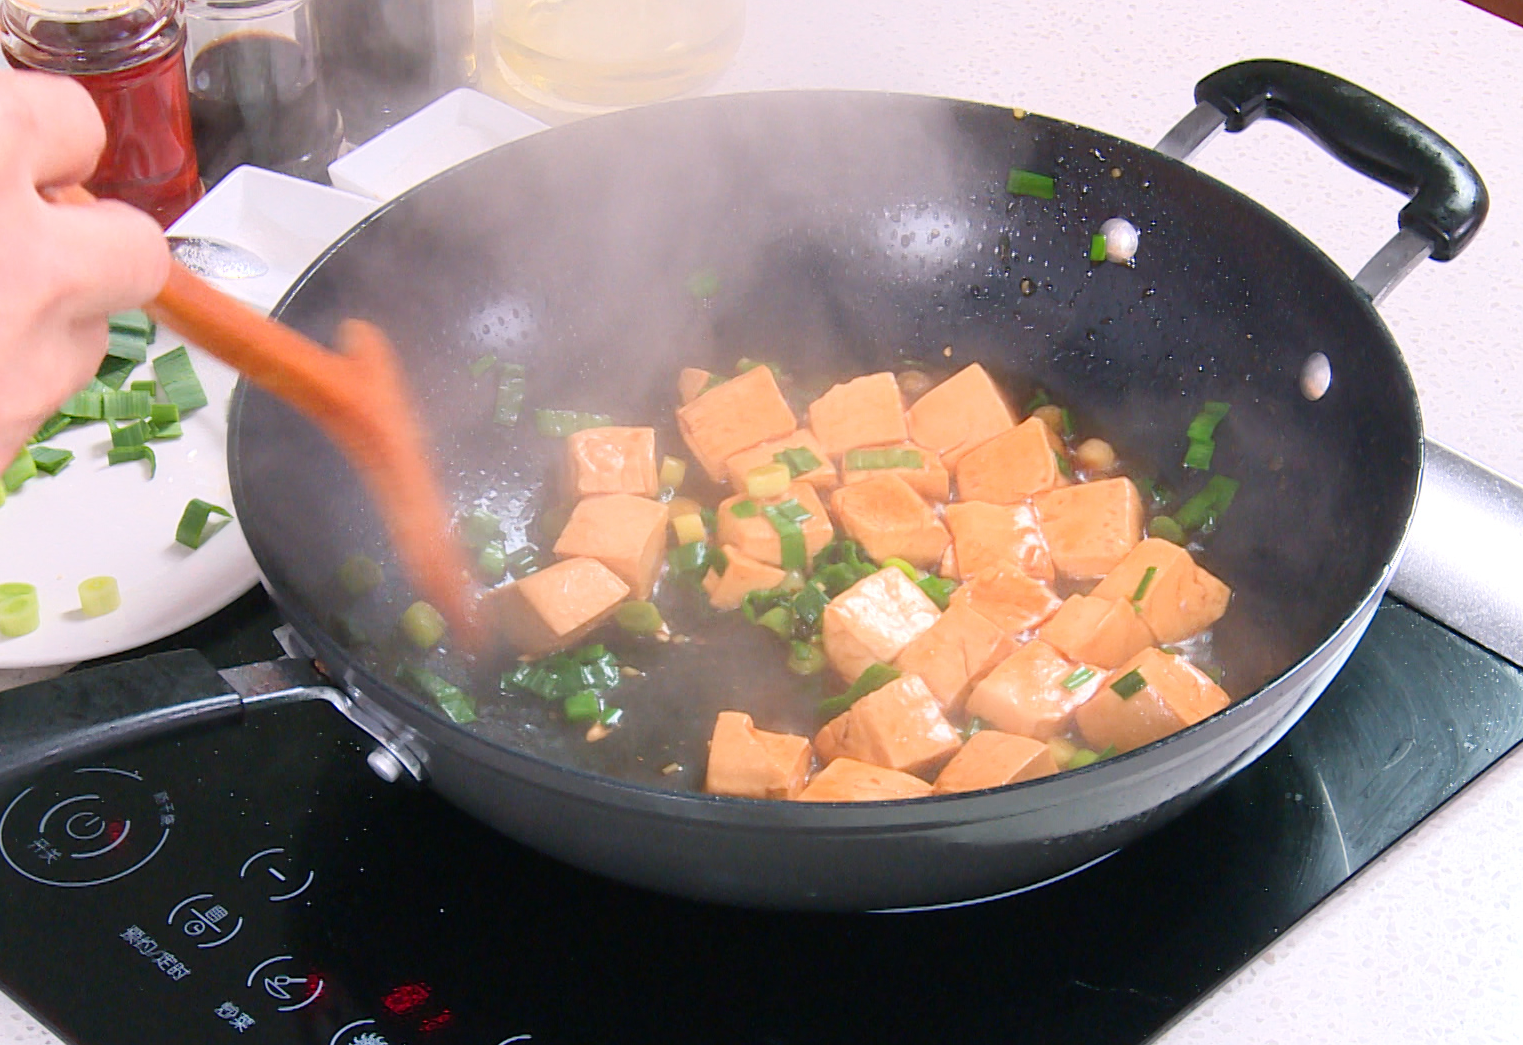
65 266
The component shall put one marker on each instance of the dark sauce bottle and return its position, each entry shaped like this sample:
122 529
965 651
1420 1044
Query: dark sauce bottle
130 57
256 95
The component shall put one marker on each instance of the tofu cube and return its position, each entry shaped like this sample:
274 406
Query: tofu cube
742 574
888 518
984 534
955 653
612 460
873 620
1099 631
757 537
623 532
930 480
897 726
1008 597
1025 694
821 478
960 414
1091 527
1012 466
866 411
734 416
1175 694
691 382
1181 598
847 780
746 762
556 607
994 759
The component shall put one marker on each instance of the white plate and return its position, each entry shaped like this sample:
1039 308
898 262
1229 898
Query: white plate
93 519
462 124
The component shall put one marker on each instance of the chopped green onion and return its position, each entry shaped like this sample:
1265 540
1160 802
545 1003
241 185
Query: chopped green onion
874 676
1080 675
903 567
809 609
1204 424
511 388
113 373
703 283
557 424
359 574
639 618
127 346
746 509
452 700
1026 183
1157 494
1066 422
492 562
805 658
779 621
20 612
1081 758
1214 499
51 459
151 387
1198 455
51 427
714 381
563 674
134 321
975 725
22 468
939 589
583 706
1097 247
1063 465
692 560
1109 752
1037 401
86 406
99 596
785 519
423 625
522 561
1143 585
193 530
799 459
177 378
867 460
134 434
1167 529
123 454
161 415
1129 684
481 364
480 528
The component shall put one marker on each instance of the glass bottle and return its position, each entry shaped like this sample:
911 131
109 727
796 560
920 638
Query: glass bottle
256 92
129 54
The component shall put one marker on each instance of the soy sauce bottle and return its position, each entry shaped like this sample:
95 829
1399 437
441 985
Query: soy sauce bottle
129 55
256 91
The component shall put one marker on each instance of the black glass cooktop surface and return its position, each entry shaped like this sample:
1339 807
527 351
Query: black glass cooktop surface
256 882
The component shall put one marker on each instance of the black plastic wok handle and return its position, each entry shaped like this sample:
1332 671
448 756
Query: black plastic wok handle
1448 199
83 711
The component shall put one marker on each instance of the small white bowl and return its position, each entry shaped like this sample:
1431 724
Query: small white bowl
287 221
460 125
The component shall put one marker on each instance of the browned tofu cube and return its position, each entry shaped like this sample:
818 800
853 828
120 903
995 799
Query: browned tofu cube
754 534
691 383
1173 694
847 780
1090 527
1012 466
612 460
746 762
821 478
929 479
1008 597
984 534
556 607
897 726
960 414
993 759
1099 631
734 416
742 574
623 532
873 620
1179 599
1034 692
889 519
957 651
866 411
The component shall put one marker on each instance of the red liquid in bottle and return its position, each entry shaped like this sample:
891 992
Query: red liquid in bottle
134 69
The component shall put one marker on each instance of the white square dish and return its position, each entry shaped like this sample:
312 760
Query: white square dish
460 125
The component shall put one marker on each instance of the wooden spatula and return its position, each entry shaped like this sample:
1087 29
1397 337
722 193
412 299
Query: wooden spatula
358 397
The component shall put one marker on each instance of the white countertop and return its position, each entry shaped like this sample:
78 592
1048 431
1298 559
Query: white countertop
1427 943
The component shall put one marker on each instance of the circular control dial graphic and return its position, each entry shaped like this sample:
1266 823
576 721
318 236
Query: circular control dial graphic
95 825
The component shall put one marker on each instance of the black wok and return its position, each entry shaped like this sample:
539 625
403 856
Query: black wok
851 233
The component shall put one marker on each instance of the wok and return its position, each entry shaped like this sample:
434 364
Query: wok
851 233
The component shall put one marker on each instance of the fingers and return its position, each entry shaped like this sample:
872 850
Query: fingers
116 256
55 124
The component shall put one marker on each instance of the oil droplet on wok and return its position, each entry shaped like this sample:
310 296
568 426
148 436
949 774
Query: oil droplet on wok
1027 287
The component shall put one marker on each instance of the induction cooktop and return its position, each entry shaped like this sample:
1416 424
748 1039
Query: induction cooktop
255 881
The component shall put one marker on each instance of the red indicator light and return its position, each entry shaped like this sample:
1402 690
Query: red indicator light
439 1022
406 998
114 829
